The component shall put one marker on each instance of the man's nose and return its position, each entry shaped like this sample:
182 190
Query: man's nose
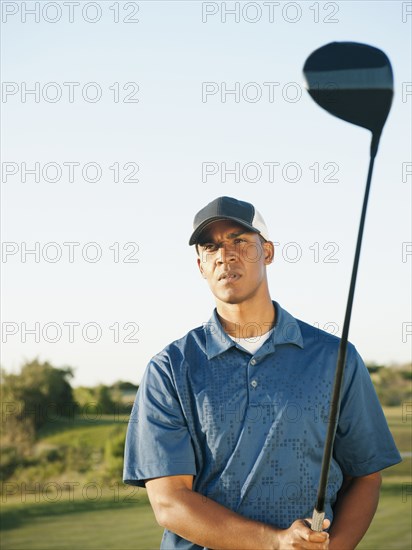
227 253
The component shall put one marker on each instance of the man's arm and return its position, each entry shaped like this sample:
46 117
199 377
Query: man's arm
354 510
203 521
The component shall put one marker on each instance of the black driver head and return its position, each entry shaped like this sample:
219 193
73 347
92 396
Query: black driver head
351 81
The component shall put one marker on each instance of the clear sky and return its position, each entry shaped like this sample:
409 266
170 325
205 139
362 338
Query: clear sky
120 120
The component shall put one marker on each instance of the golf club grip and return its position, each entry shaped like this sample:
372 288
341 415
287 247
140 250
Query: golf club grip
317 520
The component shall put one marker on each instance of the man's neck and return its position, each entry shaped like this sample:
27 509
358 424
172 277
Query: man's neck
247 320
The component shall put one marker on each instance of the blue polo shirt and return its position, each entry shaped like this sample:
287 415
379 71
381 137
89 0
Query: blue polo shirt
251 428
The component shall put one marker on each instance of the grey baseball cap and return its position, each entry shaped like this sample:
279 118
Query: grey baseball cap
228 208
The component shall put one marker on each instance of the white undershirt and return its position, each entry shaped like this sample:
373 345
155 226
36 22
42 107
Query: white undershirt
253 343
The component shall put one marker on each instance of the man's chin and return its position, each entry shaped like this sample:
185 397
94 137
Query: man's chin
230 298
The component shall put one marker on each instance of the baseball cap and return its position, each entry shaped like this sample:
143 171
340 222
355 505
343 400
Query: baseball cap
228 208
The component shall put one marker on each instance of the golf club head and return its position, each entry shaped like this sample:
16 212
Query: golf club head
353 82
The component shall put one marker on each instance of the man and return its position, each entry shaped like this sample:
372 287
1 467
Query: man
229 423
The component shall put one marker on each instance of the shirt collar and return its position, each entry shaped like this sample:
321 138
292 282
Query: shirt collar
217 341
286 331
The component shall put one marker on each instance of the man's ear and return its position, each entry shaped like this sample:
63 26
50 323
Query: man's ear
199 265
269 251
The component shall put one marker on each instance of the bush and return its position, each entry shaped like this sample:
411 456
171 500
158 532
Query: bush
95 400
38 391
113 454
10 460
393 385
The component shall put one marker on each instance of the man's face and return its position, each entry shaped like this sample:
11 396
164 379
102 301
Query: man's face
233 261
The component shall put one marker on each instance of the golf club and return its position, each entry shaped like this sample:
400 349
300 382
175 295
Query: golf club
353 82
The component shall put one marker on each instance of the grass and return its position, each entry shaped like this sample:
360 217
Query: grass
120 516
391 527
69 431
105 524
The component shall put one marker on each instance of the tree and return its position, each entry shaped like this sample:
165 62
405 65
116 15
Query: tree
39 393
95 400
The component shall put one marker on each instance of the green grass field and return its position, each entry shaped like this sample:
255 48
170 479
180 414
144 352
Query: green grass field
119 517
81 524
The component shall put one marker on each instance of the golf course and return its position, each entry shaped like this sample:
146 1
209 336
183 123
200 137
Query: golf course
88 511
206 265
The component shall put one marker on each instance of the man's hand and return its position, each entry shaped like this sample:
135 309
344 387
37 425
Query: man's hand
299 535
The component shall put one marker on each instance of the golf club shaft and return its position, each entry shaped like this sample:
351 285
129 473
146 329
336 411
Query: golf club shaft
318 513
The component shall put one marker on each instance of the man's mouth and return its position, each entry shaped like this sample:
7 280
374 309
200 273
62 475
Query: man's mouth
229 276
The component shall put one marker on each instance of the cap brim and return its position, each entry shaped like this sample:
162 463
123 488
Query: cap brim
197 232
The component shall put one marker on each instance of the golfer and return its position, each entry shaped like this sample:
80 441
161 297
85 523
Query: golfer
229 423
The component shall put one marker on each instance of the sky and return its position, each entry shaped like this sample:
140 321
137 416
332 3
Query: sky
120 120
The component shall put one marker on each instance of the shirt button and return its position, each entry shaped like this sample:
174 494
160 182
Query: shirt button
253 362
253 383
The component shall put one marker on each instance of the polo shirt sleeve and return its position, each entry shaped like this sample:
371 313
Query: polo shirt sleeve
363 443
158 441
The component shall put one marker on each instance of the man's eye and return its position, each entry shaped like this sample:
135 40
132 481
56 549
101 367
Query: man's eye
210 247
239 240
